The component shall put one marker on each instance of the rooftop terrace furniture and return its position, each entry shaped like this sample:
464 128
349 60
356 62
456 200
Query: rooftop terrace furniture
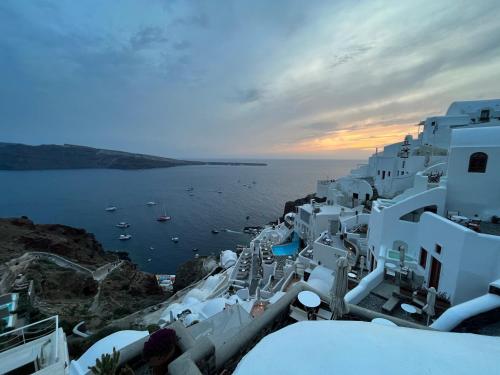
297 314
390 304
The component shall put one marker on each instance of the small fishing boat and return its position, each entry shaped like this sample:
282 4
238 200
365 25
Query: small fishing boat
220 192
125 237
149 259
190 188
215 231
175 239
151 248
123 225
195 249
151 203
164 217
110 208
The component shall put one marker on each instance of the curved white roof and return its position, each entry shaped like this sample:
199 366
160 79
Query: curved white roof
472 106
119 340
228 258
327 347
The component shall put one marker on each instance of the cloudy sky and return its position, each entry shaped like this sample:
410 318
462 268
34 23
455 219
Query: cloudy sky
260 78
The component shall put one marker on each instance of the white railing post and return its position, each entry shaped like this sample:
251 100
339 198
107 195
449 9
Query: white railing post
56 349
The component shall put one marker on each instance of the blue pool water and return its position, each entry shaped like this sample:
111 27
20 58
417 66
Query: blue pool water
287 248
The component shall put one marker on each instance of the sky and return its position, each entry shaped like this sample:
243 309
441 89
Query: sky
240 79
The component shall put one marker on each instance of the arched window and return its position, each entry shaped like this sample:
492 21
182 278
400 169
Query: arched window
477 162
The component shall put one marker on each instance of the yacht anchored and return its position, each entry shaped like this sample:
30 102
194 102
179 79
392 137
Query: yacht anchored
152 203
123 225
175 239
125 237
110 209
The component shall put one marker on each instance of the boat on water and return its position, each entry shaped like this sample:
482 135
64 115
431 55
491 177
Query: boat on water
125 237
152 203
149 259
164 217
195 249
123 225
151 248
215 231
175 239
190 188
110 208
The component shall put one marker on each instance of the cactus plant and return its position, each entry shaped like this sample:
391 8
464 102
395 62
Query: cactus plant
107 365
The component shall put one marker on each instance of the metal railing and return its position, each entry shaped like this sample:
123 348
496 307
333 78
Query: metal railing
31 332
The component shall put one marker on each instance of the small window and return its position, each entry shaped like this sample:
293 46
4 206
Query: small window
397 174
389 174
355 195
378 172
477 162
383 175
438 249
423 258
485 115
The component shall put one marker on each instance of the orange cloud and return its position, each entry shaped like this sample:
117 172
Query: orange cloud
362 139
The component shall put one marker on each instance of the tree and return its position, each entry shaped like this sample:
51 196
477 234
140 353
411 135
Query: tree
107 365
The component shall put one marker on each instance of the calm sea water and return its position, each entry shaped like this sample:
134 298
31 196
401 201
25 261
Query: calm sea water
79 197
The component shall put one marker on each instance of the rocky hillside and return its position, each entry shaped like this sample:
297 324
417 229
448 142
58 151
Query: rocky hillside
20 235
75 293
15 156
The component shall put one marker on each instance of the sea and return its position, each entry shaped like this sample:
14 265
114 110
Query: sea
226 198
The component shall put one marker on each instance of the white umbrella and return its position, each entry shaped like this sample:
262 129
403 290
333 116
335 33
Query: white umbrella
339 289
361 266
402 256
431 303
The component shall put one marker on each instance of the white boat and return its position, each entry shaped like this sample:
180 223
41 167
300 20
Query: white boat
123 225
175 239
151 203
110 208
125 237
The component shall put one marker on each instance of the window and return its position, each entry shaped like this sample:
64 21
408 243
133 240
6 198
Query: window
378 172
389 174
423 258
477 162
485 115
438 249
383 175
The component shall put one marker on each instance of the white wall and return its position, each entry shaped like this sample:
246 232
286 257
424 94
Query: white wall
474 193
469 260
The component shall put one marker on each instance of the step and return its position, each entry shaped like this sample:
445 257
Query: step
390 304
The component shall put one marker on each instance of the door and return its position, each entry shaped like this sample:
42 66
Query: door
435 273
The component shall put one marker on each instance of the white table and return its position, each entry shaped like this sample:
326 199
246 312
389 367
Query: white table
384 322
458 218
309 299
352 275
410 309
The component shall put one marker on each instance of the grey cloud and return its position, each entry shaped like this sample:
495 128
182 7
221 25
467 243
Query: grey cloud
148 37
249 95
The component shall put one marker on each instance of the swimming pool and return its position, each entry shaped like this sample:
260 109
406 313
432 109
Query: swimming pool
289 248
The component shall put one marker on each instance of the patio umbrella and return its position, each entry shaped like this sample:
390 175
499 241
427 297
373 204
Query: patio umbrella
402 256
361 266
339 289
431 304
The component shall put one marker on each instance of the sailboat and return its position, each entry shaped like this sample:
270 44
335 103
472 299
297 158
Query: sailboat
163 217
110 208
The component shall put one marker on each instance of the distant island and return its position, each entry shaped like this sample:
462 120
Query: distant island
17 156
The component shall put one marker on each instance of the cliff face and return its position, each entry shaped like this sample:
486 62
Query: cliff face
21 235
25 157
75 294
290 206
14 156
